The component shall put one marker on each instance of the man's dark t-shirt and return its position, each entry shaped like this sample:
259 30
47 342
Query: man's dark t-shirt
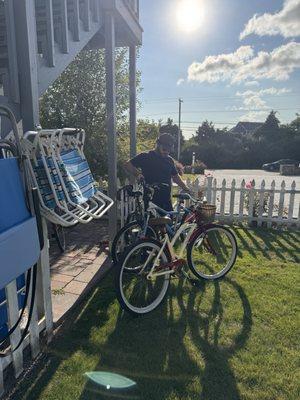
157 169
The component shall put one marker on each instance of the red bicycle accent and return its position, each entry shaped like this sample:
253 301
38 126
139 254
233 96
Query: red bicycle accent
199 230
173 265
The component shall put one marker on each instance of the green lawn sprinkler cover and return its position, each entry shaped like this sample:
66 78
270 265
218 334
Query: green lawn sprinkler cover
110 380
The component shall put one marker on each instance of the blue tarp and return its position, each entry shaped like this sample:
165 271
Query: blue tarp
19 242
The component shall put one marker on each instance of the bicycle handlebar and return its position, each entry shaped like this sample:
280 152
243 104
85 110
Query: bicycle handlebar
148 189
186 196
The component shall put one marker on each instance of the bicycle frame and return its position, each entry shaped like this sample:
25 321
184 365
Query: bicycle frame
191 227
156 209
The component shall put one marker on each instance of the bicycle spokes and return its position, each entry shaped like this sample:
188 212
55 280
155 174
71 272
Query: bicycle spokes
138 291
213 254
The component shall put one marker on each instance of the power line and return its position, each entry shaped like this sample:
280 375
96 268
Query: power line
222 111
171 99
197 124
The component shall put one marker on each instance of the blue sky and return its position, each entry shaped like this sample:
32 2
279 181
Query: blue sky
238 82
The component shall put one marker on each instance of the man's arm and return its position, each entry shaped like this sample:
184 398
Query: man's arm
132 170
180 183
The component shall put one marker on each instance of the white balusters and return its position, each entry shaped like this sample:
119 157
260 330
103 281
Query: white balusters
292 201
281 202
209 188
251 209
223 194
242 200
232 196
261 203
271 204
214 192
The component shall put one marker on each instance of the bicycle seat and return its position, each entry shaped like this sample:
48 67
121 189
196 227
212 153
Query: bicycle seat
136 193
182 196
160 221
125 189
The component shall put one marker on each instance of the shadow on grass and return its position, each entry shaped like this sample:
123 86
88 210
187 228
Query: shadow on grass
155 354
268 243
177 351
246 246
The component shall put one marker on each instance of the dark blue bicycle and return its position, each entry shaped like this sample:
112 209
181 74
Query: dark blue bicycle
139 223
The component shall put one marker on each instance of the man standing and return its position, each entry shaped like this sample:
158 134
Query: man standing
156 166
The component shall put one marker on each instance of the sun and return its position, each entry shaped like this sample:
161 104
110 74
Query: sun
189 14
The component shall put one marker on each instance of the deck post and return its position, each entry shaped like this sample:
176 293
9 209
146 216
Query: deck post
110 45
25 22
132 94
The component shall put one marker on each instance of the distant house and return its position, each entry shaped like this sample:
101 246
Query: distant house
246 128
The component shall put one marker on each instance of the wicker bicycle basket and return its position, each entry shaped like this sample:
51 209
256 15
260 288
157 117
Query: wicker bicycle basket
205 213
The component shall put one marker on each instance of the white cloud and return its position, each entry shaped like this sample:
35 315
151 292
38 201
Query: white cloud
254 116
271 90
180 82
285 22
220 67
277 65
252 83
243 65
254 103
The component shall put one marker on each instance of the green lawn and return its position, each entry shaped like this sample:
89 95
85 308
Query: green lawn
236 339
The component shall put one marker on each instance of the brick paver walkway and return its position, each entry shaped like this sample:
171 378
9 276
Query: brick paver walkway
84 261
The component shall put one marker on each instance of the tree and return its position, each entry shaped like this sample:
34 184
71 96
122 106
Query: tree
172 129
270 129
147 134
219 148
77 99
295 124
205 132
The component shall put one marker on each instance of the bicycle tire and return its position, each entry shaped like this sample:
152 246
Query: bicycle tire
121 270
60 237
208 248
115 255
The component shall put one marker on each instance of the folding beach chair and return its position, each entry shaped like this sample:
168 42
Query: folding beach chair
75 176
67 145
51 196
67 189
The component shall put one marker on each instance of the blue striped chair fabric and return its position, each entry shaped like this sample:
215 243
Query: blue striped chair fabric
77 176
44 186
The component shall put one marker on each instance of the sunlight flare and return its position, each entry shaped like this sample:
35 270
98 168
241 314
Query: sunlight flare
190 15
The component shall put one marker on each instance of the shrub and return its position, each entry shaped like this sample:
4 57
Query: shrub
197 168
256 197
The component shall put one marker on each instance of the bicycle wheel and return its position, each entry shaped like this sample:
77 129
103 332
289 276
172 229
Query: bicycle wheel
212 253
126 237
137 294
59 235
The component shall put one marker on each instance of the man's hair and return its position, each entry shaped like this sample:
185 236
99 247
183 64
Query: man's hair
165 139
162 129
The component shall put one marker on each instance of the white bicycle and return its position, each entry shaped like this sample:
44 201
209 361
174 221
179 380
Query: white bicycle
143 275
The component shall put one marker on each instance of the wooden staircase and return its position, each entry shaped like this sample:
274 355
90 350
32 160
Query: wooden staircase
56 30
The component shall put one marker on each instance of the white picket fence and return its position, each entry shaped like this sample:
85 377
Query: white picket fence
41 322
268 206
125 204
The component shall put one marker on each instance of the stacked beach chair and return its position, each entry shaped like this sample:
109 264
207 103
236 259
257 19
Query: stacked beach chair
67 191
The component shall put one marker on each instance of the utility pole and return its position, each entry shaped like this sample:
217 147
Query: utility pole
193 163
179 130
